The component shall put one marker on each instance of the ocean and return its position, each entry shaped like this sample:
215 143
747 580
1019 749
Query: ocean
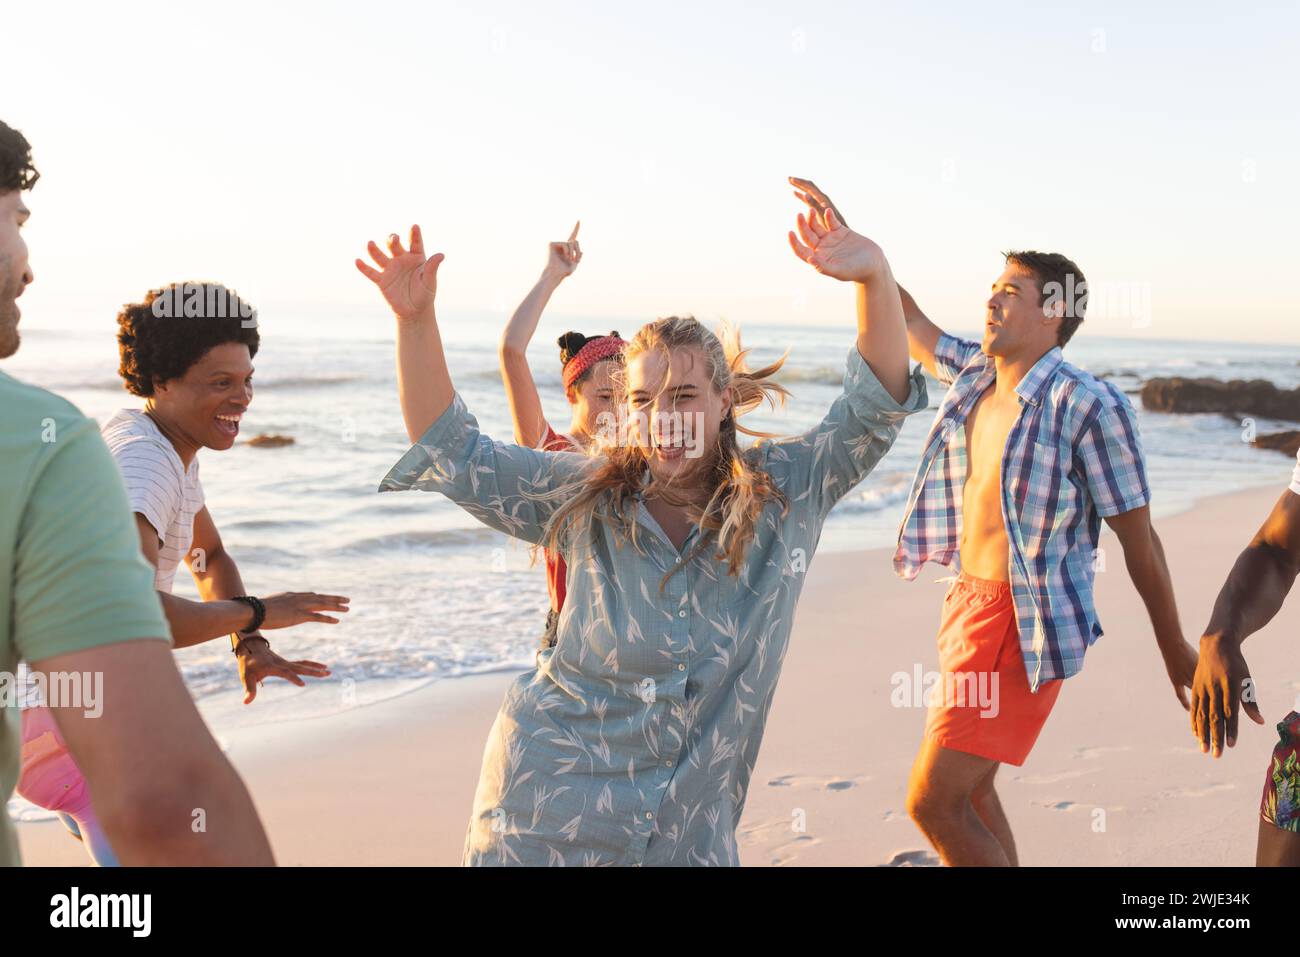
435 595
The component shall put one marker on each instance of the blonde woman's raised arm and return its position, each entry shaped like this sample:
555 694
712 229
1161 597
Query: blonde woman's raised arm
408 282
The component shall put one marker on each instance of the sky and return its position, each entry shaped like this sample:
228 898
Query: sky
261 145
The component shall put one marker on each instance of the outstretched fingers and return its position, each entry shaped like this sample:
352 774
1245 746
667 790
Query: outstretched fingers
429 271
807 200
809 231
312 668
800 250
377 254
815 197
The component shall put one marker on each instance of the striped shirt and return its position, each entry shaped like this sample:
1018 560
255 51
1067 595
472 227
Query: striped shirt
158 486
1072 458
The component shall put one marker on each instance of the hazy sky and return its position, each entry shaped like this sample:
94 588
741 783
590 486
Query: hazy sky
262 144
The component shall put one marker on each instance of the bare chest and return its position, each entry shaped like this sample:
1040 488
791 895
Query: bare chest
987 428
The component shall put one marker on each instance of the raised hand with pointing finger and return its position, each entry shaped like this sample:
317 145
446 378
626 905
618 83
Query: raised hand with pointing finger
564 256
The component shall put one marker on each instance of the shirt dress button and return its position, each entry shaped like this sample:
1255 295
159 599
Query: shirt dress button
682 613
649 816
681 667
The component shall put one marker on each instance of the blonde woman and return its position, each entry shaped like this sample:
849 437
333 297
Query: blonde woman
633 740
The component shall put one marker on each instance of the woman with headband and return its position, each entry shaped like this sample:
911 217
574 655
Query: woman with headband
586 363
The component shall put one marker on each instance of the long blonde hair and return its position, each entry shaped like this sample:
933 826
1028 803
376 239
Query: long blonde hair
736 490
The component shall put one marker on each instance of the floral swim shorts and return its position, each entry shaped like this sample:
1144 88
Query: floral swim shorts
1281 804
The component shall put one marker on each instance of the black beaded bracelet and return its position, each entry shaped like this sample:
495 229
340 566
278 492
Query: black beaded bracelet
259 612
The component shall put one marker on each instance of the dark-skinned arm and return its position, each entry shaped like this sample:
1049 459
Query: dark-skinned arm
1253 594
194 622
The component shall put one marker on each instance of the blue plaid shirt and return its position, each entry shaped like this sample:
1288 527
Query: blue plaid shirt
1072 458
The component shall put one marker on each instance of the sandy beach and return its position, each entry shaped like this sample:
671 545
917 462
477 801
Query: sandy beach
1115 779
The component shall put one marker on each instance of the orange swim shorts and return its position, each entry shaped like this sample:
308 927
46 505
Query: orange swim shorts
982 704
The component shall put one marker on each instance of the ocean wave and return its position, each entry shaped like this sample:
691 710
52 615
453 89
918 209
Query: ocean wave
877 493
85 385
113 384
826 375
269 525
311 381
417 539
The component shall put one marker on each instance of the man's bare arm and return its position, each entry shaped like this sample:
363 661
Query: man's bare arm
194 622
152 765
1259 582
1262 576
1144 558
922 334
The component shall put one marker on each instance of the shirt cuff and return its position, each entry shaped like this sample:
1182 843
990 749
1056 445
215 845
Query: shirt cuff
871 402
448 434
1137 500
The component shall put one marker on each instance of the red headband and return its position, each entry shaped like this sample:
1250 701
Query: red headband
596 350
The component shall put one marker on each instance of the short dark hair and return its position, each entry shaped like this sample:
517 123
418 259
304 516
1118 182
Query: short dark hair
161 344
1053 268
16 169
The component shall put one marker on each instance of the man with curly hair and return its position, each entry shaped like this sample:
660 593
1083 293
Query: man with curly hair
76 600
188 351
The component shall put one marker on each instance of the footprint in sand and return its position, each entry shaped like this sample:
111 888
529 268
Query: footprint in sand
913 859
1099 751
788 853
1053 778
1196 792
763 829
816 781
1057 805
1068 806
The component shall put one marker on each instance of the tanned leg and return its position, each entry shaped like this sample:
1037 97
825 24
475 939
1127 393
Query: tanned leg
989 809
939 795
1276 847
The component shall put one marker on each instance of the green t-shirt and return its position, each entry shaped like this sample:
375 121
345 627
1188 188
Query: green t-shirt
71 573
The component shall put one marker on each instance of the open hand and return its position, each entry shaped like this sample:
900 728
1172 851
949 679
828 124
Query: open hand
298 607
808 193
1221 688
257 662
405 278
834 250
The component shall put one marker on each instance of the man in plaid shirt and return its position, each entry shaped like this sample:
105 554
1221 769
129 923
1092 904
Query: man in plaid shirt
1027 456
